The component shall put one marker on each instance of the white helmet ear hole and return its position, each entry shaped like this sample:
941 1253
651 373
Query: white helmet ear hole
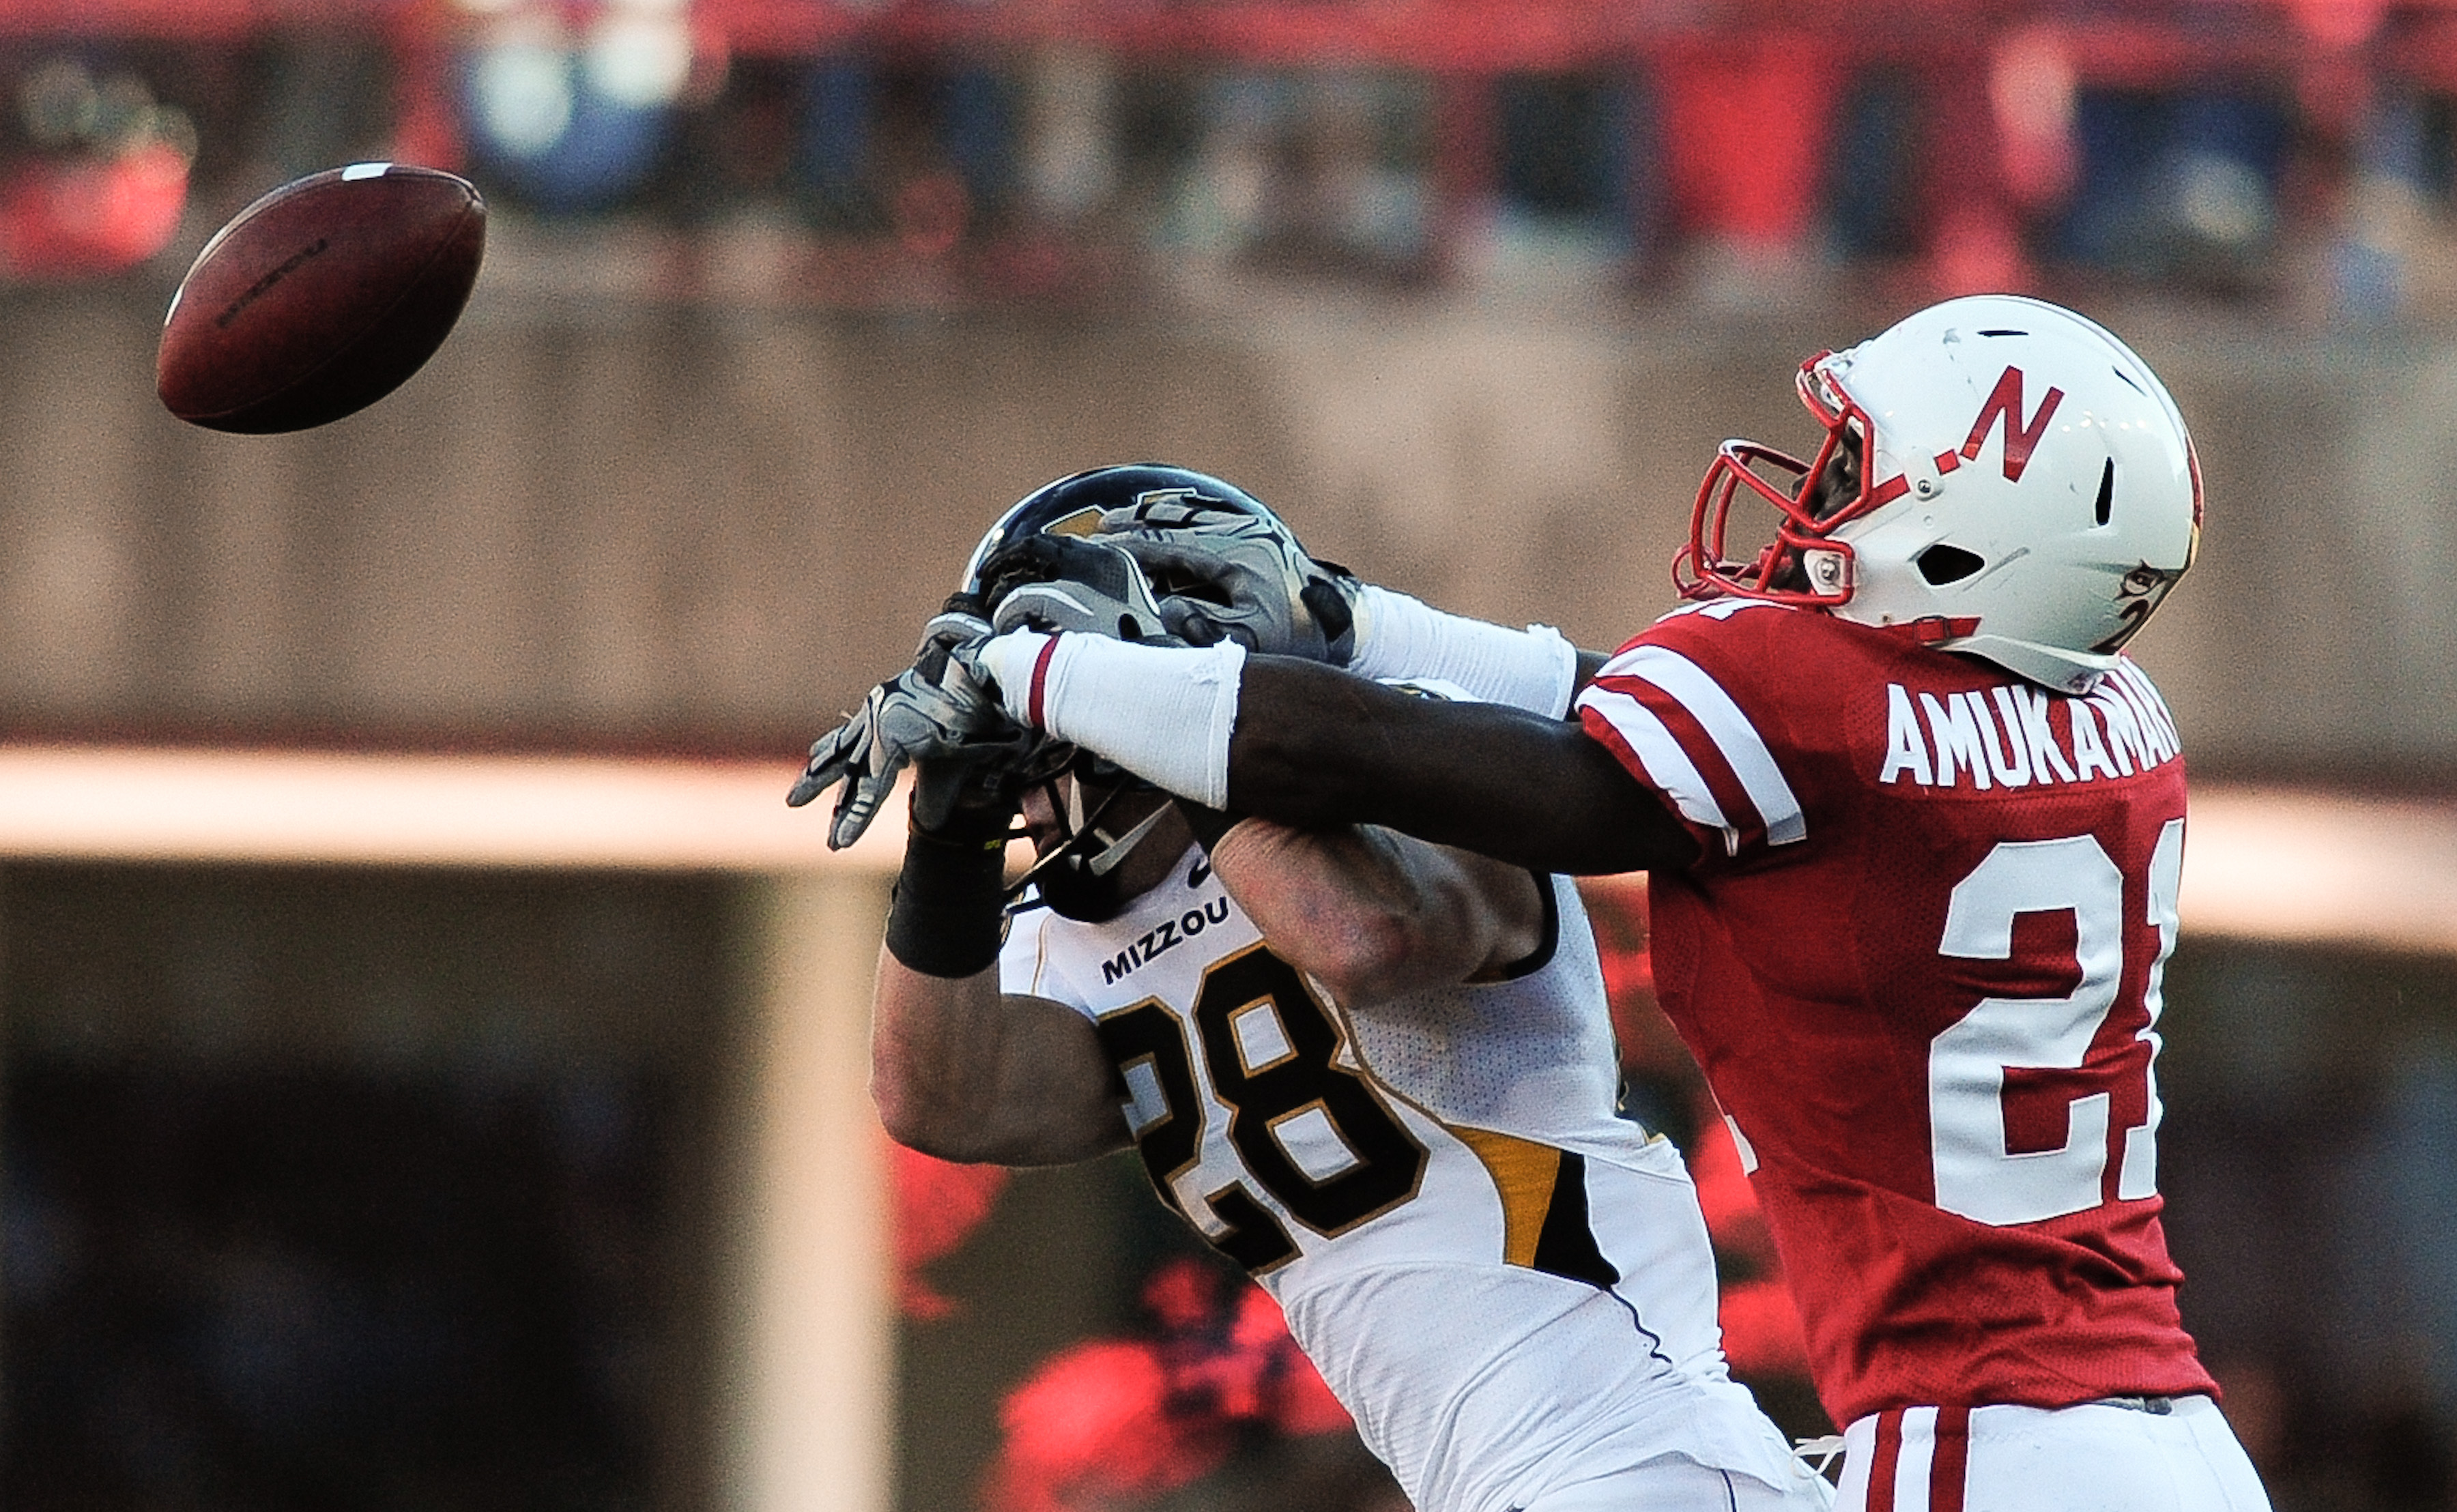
1941 564
2106 505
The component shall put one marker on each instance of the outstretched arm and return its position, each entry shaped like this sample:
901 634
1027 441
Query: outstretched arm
1373 914
1313 746
1309 745
964 1072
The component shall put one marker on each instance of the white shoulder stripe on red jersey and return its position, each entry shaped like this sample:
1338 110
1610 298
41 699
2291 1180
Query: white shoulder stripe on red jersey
1690 686
1668 765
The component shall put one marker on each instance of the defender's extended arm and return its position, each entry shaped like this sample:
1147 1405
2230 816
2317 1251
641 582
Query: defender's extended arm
1307 744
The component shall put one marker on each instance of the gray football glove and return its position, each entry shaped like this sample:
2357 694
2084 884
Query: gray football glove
1068 582
1228 576
942 716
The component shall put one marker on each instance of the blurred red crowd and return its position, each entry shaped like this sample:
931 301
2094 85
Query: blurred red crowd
1425 34
1745 91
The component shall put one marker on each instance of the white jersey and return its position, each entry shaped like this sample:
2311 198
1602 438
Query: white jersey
1508 1285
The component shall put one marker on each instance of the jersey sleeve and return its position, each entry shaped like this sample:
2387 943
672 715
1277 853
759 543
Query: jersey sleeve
1028 966
1688 710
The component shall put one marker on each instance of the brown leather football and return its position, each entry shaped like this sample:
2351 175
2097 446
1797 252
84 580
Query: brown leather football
321 298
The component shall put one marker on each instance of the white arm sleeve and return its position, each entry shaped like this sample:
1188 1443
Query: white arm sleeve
1398 637
1164 713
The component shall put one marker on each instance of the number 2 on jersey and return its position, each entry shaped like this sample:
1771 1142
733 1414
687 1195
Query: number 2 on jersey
1976 1174
1149 1045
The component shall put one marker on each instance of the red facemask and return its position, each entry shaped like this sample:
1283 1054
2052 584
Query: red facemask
1703 570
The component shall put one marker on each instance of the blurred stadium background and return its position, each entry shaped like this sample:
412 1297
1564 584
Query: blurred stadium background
431 1058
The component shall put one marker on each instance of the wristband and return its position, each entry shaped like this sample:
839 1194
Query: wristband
948 915
1398 637
1164 713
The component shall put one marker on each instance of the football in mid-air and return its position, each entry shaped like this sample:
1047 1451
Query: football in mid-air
321 298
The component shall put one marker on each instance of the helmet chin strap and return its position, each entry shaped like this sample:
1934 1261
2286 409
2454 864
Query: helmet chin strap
1078 827
1115 849
1066 860
1106 861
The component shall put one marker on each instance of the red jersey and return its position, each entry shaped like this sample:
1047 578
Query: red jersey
1919 962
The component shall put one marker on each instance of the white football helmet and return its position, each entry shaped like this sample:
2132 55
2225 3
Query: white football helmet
2000 477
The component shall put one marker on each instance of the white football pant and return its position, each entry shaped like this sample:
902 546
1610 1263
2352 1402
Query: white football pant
2094 1457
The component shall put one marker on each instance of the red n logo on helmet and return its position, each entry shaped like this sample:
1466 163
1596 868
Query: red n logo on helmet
2007 401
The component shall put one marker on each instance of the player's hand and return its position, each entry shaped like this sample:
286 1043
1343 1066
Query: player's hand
941 713
1222 576
977 791
1068 582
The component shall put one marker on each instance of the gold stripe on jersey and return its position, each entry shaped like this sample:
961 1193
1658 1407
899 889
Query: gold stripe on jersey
1524 1172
